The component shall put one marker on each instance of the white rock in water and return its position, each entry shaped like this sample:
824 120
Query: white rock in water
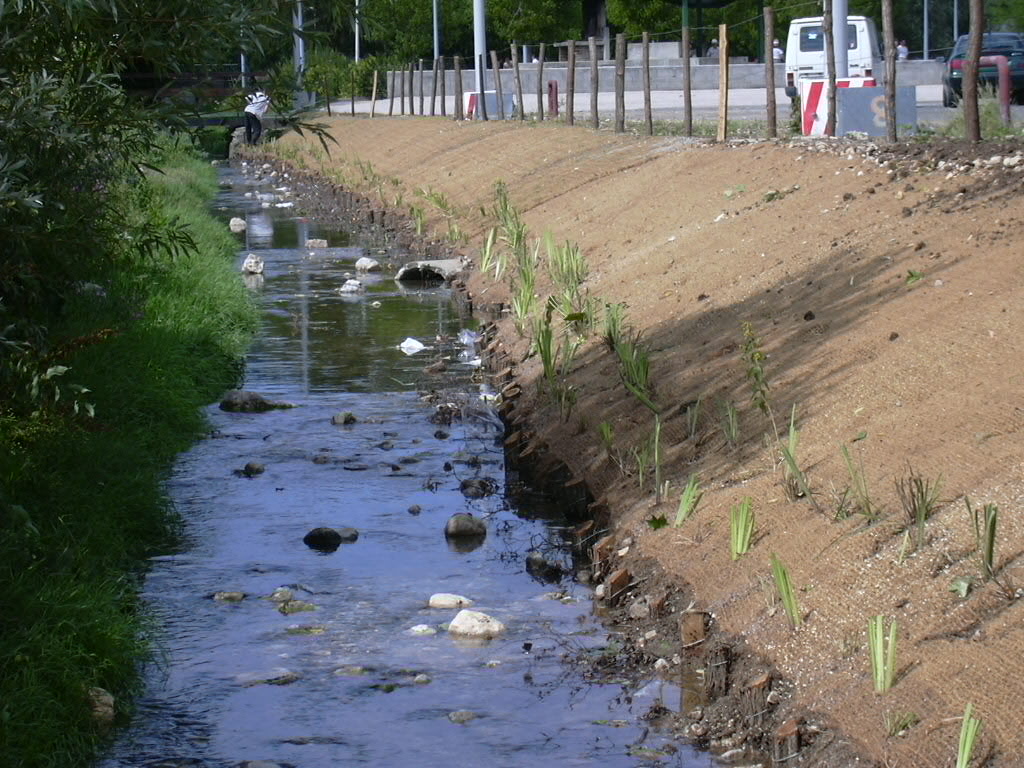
422 629
236 224
448 600
366 264
411 346
475 624
284 205
351 286
253 265
316 243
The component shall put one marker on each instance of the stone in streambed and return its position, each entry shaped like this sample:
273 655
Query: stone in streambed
448 600
475 624
465 524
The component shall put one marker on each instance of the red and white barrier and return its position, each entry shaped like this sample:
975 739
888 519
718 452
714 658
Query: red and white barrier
814 101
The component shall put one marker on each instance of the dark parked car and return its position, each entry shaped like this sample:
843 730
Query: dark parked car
1008 44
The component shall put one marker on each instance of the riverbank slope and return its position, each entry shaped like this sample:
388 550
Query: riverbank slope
884 289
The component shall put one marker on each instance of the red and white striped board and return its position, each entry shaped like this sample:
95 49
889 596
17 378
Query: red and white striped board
814 101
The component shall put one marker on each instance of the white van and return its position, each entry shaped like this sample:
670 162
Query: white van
805 51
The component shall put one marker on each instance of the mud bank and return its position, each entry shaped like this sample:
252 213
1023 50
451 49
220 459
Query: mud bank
883 288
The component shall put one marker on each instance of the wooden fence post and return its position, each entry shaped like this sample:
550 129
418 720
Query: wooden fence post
391 95
497 84
519 84
769 70
723 82
373 95
433 90
444 76
594 119
458 88
687 85
620 83
401 95
481 101
419 68
570 84
540 84
889 36
412 88
648 118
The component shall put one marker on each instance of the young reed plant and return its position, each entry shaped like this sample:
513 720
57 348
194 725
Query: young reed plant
861 501
969 729
919 497
741 527
985 522
566 265
491 258
614 325
656 457
898 722
635 370
689 500
794 479
693 414
883 652
786 592
729 420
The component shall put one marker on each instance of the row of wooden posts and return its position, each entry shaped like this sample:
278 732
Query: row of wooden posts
402 85
404 88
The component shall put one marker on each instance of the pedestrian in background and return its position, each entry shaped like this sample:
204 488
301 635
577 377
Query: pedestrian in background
777 53
902 52
256 106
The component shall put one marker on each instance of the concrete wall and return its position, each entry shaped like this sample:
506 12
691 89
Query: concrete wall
666 75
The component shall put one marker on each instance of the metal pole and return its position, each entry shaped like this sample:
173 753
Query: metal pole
956 20
299 52
437 32
925 22
840 38
357 30
245 70
479 42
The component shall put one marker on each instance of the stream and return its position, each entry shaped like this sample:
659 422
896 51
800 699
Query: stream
350 681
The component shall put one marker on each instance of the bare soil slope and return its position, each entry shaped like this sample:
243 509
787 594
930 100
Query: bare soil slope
886 288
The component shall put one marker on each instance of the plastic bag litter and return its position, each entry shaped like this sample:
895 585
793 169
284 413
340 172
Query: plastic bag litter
411 346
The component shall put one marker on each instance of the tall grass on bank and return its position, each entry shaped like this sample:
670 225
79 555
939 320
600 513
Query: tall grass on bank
81 500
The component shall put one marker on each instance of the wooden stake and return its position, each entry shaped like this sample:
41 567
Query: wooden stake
594 119
620 83
648 118
373 97
723 82
769 71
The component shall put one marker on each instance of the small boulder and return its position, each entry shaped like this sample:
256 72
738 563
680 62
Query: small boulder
350 286
542 569
241 401
101 705
316 243
464 524
229 597
448 600
251 469
236 225
478 487
366 264
329 539
462 716
295 606
253 265
422 629
343 419
475 624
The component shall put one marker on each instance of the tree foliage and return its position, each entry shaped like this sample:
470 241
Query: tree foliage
70 136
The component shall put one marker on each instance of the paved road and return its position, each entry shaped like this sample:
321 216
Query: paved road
744 104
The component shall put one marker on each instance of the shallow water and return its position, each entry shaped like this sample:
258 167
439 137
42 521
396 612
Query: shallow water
334 686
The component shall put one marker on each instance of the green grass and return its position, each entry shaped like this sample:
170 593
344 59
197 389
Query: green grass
688 501
786 592
968 735
81 500
883 652
741 527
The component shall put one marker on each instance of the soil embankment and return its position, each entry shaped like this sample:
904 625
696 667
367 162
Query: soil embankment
886 291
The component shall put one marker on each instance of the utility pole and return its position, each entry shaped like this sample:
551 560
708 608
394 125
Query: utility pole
927 54
437 32
358 30
479 42
840 37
